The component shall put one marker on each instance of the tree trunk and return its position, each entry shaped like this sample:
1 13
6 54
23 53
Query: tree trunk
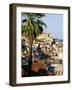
30 57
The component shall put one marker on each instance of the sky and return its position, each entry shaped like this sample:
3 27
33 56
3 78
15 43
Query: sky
54 24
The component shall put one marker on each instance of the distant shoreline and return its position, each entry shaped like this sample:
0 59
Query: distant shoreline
58 40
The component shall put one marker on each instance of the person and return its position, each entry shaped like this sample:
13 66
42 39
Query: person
41 54
53 42
50 68
33 49
46 51
34 56
38 48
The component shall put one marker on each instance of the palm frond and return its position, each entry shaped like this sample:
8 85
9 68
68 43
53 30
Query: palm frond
40 22
32 25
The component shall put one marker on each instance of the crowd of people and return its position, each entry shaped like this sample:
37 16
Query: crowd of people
43 60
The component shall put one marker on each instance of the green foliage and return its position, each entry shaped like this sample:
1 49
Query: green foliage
32 25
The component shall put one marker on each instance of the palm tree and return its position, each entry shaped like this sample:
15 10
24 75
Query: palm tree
32 26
